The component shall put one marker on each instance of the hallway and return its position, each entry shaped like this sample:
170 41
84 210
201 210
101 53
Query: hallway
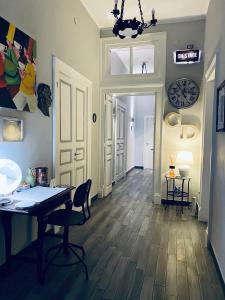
134 250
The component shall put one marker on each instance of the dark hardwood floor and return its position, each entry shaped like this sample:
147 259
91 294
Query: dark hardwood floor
134 250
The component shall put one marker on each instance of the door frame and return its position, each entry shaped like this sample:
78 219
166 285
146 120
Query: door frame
159 91
152 117
207 144
57 65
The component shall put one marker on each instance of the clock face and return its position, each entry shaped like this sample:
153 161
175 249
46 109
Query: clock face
183 93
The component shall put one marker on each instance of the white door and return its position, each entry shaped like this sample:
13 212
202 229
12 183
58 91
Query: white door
108 145
72 131
148 151
120 166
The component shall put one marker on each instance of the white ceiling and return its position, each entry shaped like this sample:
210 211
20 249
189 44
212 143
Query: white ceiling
165 9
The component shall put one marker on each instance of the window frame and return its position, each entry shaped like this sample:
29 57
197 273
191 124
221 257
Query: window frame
158 40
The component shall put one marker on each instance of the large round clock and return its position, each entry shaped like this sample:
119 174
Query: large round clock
183 93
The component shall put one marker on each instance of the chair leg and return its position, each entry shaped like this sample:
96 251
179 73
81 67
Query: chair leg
54 256
66 240
51 249
82 262
78 247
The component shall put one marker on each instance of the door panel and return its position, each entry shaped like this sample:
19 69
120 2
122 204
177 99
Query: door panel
80 138
120 140
64 131
71 129
108 145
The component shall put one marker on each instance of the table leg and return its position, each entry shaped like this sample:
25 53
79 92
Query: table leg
182 196
40 242
7 227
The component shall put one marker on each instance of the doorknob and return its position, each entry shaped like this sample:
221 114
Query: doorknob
152 149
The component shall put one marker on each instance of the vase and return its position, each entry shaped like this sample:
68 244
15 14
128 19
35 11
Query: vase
31 177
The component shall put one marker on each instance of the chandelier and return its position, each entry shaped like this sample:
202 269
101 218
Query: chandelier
130 27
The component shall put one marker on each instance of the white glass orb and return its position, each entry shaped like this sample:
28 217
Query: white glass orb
10 176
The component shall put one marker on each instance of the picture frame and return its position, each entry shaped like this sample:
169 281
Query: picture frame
12 130
220 109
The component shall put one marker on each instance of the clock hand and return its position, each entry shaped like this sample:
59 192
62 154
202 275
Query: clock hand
182 90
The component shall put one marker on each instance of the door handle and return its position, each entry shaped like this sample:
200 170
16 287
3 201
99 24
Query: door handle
152 149
75 155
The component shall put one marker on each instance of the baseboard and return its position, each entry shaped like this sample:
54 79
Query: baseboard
130 170
139 167
157 199
217 267
94 198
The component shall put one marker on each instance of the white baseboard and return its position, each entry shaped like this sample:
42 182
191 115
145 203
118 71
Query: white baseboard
157 199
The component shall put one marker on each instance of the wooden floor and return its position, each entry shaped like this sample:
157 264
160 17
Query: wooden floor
134 250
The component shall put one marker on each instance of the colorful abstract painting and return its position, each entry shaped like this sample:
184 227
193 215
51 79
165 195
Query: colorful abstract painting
17 68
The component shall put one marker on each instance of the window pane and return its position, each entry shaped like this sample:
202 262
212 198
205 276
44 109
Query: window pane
143 59
120 61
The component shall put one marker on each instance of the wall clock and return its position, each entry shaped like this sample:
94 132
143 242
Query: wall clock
183 93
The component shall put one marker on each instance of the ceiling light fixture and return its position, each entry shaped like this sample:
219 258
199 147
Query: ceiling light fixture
130 27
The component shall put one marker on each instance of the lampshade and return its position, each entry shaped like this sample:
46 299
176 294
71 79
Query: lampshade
10 176
185 158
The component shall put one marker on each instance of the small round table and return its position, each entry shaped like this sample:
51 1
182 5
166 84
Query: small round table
179 192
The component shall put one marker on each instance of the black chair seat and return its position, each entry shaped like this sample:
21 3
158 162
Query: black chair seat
62 217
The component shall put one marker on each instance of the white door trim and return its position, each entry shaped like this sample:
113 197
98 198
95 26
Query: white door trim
207 138
153 146
57 65
159 92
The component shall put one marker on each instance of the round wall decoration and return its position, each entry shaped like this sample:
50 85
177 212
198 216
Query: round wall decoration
183 93
94 117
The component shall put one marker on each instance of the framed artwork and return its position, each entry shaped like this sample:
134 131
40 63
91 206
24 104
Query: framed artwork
12 130
17 68
220 111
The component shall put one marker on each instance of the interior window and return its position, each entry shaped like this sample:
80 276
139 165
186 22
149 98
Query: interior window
120 61
143 59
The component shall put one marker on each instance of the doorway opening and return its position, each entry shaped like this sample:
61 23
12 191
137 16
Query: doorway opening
129 135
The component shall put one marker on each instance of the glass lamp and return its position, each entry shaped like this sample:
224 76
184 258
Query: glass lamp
184 160
10 177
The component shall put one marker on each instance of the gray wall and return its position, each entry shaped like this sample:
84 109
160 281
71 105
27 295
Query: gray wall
215 43
51 23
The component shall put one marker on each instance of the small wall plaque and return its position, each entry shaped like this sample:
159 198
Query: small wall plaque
12 130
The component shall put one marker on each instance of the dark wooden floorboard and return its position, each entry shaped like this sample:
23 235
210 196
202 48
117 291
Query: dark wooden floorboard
134 251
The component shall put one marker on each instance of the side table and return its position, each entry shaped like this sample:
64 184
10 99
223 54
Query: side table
178 195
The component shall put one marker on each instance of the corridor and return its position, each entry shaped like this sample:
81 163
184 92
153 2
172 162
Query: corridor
134 250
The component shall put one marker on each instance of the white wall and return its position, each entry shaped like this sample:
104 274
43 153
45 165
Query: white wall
52 24
215 43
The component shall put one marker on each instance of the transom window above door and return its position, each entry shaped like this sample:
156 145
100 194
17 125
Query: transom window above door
132 60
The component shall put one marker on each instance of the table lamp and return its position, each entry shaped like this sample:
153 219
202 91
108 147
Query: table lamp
10 178
184 160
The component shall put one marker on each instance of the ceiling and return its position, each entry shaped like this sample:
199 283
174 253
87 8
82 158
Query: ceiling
165 9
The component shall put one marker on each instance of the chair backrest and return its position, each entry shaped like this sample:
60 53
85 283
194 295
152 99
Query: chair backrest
81 198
